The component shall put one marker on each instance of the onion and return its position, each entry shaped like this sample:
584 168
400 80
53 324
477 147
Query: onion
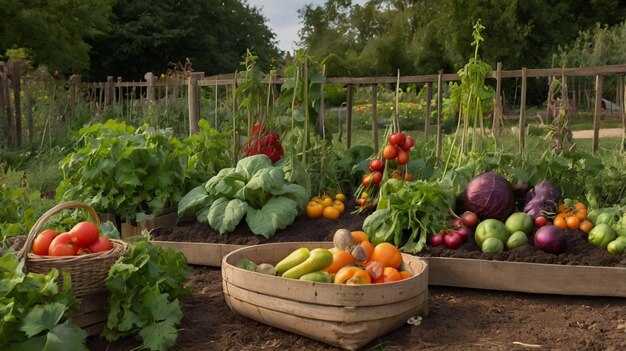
550 239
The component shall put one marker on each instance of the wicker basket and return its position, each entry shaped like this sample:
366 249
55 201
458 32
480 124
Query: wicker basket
88 271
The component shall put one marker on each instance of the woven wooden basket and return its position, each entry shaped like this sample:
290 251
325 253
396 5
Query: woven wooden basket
88 271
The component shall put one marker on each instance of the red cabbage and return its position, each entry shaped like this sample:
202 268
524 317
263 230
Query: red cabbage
489 195
543 197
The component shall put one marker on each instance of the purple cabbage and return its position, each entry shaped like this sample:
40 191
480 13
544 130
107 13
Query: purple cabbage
543 197
489 195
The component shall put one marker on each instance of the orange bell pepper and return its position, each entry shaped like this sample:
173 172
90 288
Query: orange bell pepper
352 276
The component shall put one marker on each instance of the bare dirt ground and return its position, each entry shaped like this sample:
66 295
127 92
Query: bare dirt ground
603 133
459 319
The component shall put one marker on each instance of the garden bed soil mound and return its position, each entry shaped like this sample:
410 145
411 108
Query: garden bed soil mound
578 251
459 319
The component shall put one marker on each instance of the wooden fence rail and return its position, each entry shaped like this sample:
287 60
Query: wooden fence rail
103 94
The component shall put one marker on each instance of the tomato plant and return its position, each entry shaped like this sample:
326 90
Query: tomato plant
42 242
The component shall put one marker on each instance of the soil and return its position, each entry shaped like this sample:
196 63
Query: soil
459 319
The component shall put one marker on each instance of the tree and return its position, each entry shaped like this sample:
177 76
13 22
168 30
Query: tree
382 35
53 32
213 34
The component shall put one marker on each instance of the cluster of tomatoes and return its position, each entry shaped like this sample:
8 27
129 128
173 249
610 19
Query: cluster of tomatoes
325 206
573 215
397 151
83 238
362 262
459 232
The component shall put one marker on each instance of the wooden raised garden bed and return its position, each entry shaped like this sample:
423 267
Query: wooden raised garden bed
472 273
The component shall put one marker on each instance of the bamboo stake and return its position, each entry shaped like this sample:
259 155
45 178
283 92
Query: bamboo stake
497 115
439 101
374 117
305 105
429 97
623 111
349 115
596 113
321 116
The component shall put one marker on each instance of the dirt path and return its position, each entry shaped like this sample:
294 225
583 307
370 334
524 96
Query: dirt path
588 134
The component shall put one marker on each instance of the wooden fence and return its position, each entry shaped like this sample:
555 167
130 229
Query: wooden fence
99 95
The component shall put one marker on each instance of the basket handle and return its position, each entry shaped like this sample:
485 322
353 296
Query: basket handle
51 212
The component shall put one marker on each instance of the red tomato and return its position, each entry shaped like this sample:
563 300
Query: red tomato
464 232
470 219
366 180
408 177
408 143
436 239
377 177
390 152
62 246
376 165
84 234
453 240
540 221
42 242
402 157
396 138
101 244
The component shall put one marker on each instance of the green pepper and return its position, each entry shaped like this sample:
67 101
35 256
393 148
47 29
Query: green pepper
293 259
317 276
617 246
601 235
318 260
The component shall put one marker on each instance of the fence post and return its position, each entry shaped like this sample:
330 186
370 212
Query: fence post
374 117
497 114
596 112
193 99
74 82
149 77
108 92
15 69
349 116
2 107
5 103
429 97
522 114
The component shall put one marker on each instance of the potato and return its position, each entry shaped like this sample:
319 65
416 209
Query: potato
343 240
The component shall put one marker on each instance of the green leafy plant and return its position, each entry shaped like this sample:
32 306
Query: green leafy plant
255 189
33 312
419 207
145 287
207 154
125 171
471 98
19 209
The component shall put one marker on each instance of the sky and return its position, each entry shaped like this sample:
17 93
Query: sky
282 16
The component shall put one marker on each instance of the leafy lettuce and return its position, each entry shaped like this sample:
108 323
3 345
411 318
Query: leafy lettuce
255 189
